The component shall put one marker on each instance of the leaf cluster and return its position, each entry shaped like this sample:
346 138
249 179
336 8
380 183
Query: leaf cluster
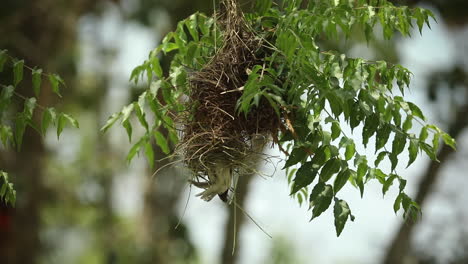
192 45
314 92
13 122
7 191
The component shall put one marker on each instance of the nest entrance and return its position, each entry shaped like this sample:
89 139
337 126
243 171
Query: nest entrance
217 140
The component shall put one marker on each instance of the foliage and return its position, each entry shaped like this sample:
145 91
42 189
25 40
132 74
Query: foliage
13 122
7 192
314 92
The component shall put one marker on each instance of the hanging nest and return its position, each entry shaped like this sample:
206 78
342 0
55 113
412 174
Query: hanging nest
217 140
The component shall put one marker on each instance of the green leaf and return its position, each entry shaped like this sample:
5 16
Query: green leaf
321 156
22 120
71 120
350 151
370 127
380 175
436 141
149 153
413 212
419 18
173 137
191 24
416 111
326 139
126 112
297 155
29 106
261 6
429 150
161 142
336 130
7 192
320 198
361 172
20 126
156 67
341 213
128 128
329 169
141 114
341 179
149 71
335 103
6 135
36 80
397 203
355 116
62 120
287 43
305 175
7 93
371 174
179 79
413 151
110 121
388 183
48 116
136 72
412 209
393 160
402 184
169 46
3 190
300 199
154 88
18 72
290 173
449 141
380 157
383 133
408 123
5 97
11 198
423 134
396 116
388 114
55 82
398 144
135 148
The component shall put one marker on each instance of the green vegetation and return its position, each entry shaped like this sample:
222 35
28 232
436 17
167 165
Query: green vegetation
308 88
14 122
235 75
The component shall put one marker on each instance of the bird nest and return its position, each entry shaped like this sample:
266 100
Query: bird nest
217 140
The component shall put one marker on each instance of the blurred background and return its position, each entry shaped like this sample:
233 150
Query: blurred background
79 202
